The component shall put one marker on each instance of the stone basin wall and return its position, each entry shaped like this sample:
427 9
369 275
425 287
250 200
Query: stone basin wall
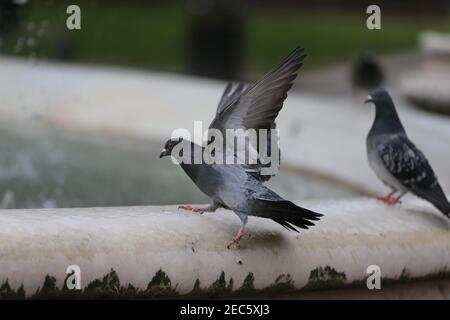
160 252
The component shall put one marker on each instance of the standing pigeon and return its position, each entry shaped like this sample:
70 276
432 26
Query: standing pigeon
240 187
396 160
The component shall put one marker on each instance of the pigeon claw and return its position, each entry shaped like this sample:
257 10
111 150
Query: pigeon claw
241 233
192 209
232 243
389 200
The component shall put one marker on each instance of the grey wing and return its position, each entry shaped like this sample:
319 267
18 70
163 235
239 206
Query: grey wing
228 97
246 195
268 163
257 106
406 163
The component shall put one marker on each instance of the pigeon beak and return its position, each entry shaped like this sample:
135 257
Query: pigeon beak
368 99
164 152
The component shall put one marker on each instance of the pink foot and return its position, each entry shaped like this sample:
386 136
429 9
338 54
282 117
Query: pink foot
193 209
389 200
241 233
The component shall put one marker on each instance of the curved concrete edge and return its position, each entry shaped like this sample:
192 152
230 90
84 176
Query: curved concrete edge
163 252
428 87
435 43
428 90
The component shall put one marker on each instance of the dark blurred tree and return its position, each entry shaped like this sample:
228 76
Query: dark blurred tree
215 38
10 14
367 72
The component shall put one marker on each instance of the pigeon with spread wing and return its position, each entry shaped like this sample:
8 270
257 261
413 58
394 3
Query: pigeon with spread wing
239 187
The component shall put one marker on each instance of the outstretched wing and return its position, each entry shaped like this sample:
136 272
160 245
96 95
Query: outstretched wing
257 106
228 97
406 163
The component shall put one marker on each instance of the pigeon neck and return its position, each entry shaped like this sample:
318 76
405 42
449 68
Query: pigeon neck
192 168
386 119
196 154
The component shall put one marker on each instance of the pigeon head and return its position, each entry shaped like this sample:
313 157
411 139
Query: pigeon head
386 117
170 144
379 97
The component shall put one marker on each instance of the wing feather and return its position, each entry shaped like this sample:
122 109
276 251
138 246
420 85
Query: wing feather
257 106
407 163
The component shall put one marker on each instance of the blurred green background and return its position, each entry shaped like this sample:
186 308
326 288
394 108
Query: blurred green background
154 34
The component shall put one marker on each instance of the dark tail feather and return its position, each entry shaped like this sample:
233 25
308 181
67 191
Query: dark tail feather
287 214
443 205
437 197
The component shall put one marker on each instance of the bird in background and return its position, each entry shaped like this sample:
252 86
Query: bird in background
396 160
240 187
367 72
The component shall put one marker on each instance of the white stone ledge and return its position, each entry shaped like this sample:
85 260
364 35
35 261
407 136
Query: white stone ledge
428 87
408 242
435 43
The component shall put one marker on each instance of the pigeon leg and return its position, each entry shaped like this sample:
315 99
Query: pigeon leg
395 200
199 210
388 199
241 232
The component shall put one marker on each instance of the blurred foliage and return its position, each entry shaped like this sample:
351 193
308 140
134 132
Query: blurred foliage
134 34
153 35
331 37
